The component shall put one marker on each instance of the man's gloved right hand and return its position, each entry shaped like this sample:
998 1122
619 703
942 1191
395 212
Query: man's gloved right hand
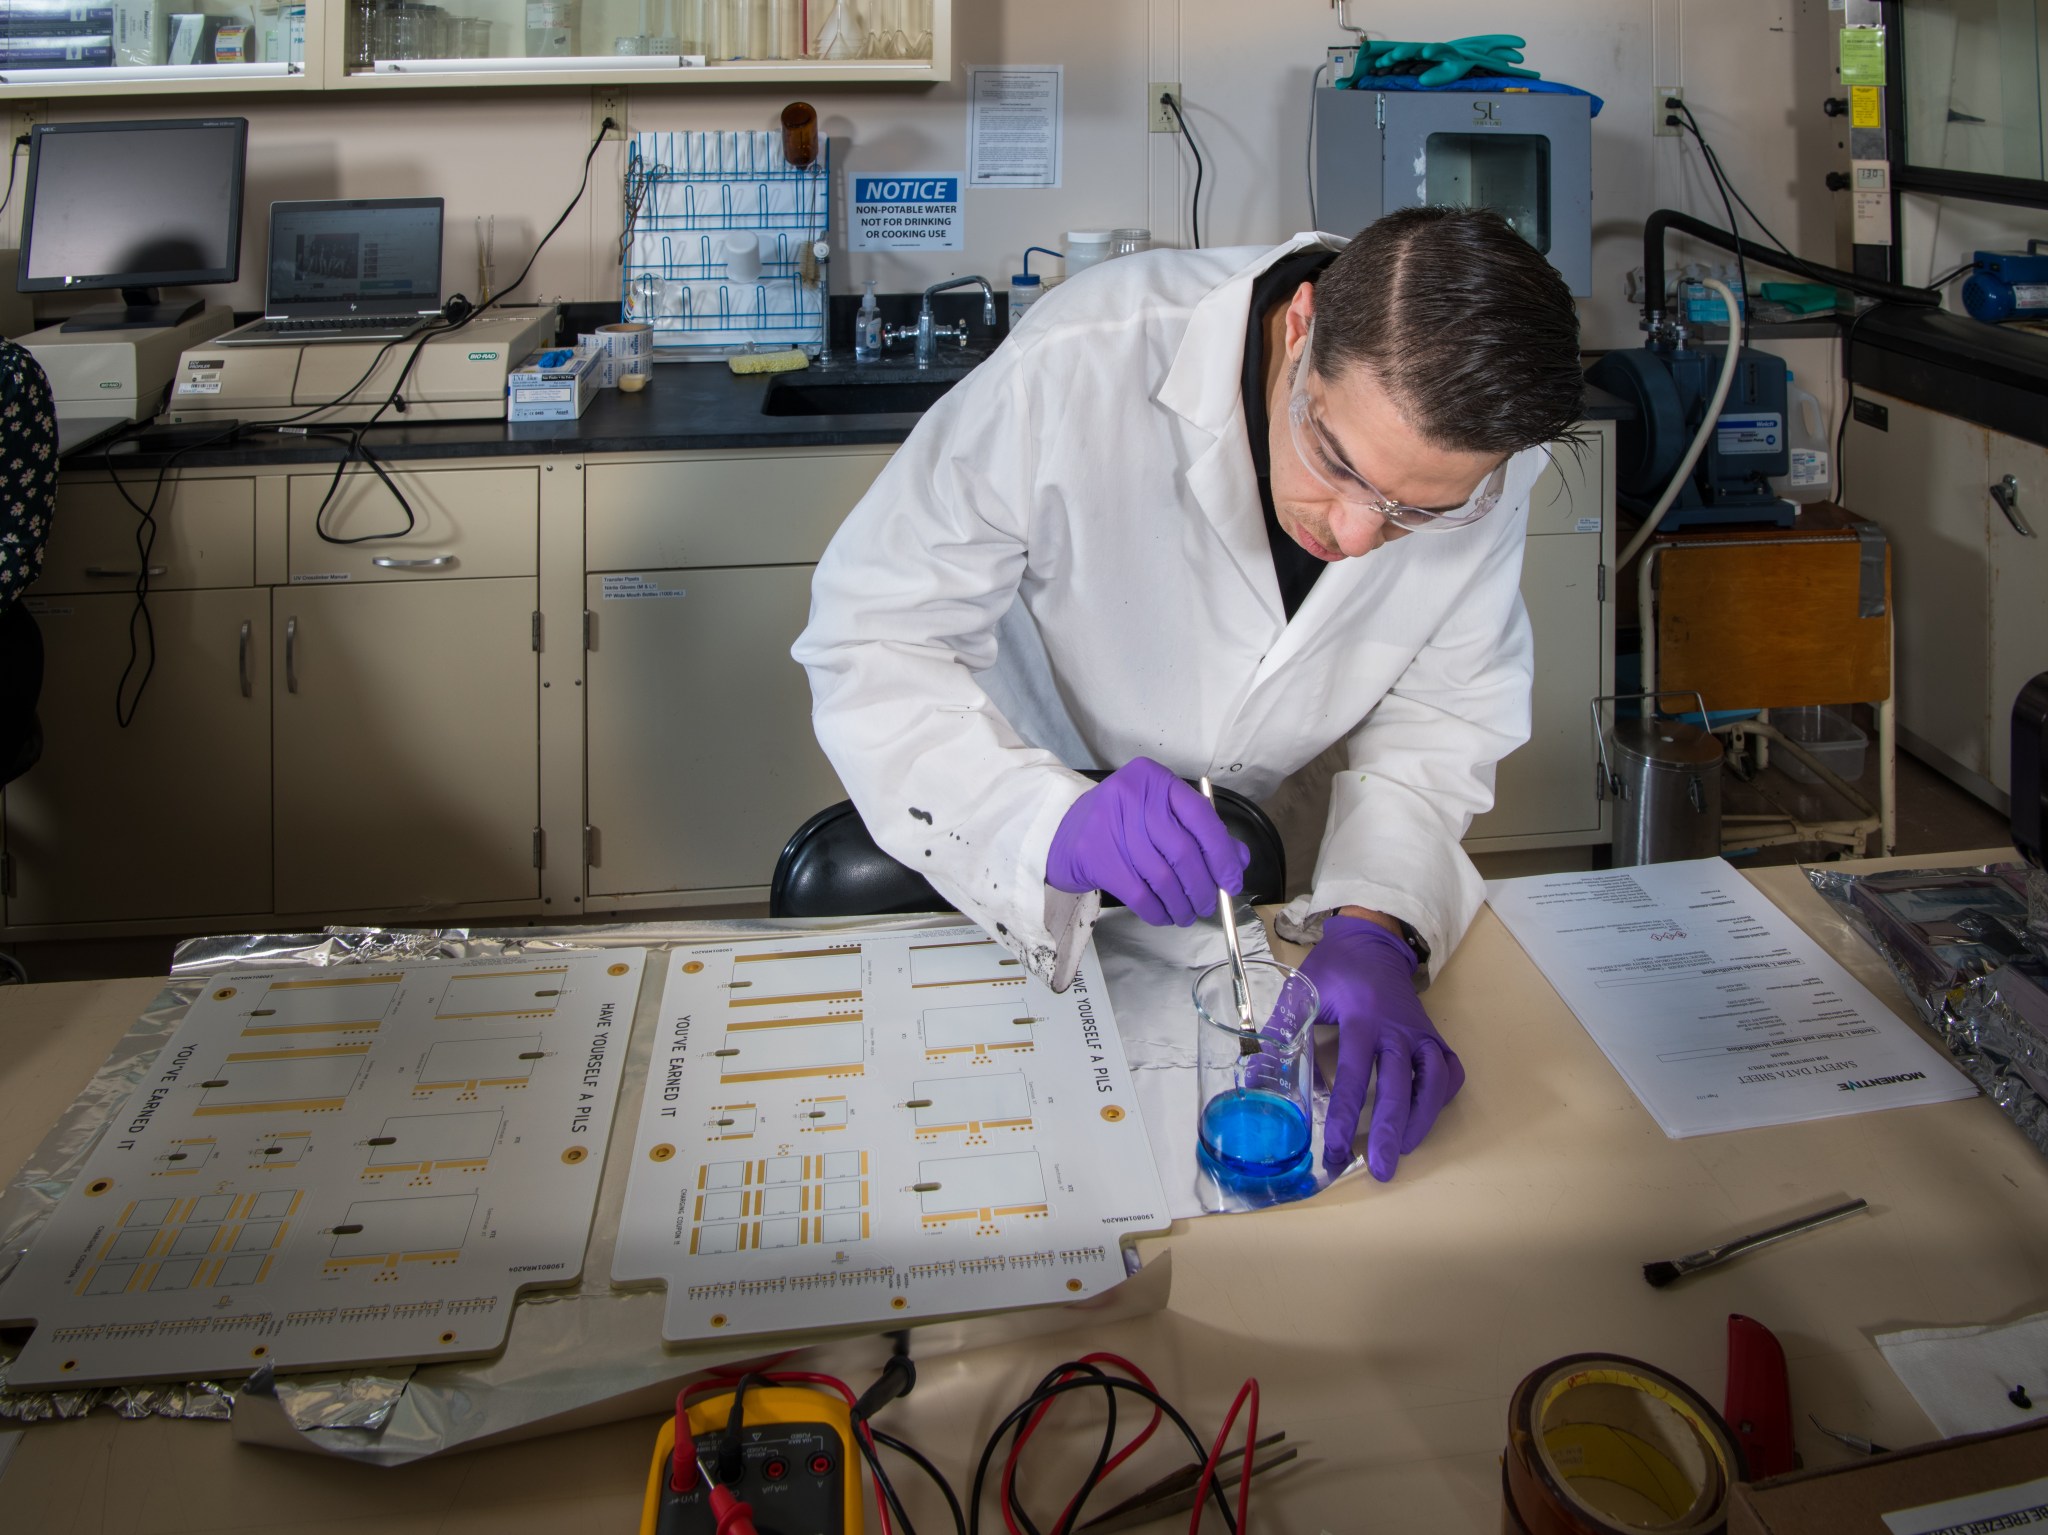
1151 841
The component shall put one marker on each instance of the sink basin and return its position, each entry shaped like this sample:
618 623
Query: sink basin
893 397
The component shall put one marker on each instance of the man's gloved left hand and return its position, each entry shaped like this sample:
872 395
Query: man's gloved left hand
1364 976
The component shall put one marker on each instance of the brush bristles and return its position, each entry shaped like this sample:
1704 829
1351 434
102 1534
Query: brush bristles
1660 1274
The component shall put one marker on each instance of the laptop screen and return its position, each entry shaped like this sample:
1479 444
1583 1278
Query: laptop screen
366 256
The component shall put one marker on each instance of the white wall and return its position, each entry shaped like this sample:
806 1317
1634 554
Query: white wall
1753 70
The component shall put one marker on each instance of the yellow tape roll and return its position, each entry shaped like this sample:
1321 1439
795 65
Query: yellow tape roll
1602 1445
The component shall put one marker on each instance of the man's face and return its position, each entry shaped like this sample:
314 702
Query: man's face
1361 422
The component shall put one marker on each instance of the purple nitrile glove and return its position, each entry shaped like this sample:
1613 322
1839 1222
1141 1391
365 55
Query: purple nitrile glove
1148 839
1365 977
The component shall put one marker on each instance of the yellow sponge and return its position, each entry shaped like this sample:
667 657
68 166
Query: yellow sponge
769 362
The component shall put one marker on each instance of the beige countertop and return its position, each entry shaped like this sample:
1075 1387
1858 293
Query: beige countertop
1387 1324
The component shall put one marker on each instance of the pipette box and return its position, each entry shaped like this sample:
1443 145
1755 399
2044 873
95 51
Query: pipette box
553 384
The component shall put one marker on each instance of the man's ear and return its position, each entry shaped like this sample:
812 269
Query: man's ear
1300 310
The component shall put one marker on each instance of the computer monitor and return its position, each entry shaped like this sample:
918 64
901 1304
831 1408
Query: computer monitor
133 206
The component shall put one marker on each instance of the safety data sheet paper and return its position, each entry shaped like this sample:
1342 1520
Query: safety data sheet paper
857 1127
1717 1010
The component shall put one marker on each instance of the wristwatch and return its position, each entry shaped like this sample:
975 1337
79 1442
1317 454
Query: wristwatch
1414 941
1409 936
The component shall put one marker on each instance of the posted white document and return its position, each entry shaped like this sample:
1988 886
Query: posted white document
1013 126
1713 1005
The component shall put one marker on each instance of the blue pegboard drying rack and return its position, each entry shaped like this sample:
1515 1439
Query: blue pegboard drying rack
684 193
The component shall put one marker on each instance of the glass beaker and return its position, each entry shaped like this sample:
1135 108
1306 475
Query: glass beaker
692 26
469 37
552 28
1256 1117
365 32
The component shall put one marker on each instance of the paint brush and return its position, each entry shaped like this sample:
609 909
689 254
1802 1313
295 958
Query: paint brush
1226 911
1662 1273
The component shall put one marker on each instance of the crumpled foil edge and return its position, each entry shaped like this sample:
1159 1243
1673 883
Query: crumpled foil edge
1978 1021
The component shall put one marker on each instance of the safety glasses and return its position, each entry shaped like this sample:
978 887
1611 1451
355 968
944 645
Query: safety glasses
1321 457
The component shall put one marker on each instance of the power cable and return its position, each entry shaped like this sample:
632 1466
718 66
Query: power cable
458 313
1692 126
1166 100
13 164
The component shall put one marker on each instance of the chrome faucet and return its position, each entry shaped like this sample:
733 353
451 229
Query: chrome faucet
929 331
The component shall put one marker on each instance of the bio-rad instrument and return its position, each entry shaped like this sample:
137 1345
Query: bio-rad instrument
459 375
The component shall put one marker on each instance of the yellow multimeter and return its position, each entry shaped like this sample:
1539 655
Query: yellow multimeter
800 1469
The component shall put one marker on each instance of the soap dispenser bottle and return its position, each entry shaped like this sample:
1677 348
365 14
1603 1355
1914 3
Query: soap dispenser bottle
867 328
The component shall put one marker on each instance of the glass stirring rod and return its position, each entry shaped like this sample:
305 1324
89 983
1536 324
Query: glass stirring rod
1226 912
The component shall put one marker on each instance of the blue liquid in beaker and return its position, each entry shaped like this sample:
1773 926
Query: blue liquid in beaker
1250 1138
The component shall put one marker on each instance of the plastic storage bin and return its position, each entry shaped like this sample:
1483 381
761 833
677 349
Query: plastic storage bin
1829 734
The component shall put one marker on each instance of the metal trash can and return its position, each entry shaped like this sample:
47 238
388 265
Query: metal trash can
1665 779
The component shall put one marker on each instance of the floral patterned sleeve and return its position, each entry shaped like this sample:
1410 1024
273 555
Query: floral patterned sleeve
28 470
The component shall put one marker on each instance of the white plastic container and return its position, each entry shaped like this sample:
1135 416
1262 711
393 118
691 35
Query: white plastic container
1086 248
1835 739
1025 290
1806 432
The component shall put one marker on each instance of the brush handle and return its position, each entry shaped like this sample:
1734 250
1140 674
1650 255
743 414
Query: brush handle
1226 912
1713 1255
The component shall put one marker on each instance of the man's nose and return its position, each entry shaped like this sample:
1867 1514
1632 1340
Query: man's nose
1357 529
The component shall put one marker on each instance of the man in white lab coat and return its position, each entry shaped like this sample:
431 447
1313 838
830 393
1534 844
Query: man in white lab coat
1210 512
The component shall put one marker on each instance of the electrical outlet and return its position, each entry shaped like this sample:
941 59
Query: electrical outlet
608 101
1659 111
24 115
1157 112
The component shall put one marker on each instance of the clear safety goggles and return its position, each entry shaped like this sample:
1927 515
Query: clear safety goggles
1321 457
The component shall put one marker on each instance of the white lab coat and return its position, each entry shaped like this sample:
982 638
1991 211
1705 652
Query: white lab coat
1066 566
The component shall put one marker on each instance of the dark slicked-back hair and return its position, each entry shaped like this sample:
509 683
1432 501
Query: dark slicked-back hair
1467 327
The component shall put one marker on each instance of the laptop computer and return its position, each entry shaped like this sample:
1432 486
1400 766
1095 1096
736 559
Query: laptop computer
353 269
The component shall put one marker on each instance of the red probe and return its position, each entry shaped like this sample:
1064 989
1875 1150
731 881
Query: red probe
733 1516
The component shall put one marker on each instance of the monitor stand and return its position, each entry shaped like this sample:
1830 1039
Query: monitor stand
139 309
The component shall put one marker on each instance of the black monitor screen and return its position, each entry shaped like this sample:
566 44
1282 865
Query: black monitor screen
133 205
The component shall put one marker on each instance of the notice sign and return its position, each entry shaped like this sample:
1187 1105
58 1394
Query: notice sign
905 213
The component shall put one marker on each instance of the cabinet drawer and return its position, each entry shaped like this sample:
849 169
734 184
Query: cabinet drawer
779 510
205 536
467 522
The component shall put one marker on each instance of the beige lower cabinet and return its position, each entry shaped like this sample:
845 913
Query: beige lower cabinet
701 755
1966 510
170 817
1921 476
406 745
2018 557
1544 791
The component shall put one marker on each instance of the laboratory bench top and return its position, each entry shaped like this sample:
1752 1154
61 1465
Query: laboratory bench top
687 407
1387 1323
1993 375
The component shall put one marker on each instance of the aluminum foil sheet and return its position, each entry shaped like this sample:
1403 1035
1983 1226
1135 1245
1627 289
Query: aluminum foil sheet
1990 1011
576 1354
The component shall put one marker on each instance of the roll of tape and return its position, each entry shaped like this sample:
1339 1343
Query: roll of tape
1603 1445
632 346
607 364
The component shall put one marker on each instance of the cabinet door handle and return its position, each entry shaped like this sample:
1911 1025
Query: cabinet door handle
2007 494
291 655
242 659
438 562
108 573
